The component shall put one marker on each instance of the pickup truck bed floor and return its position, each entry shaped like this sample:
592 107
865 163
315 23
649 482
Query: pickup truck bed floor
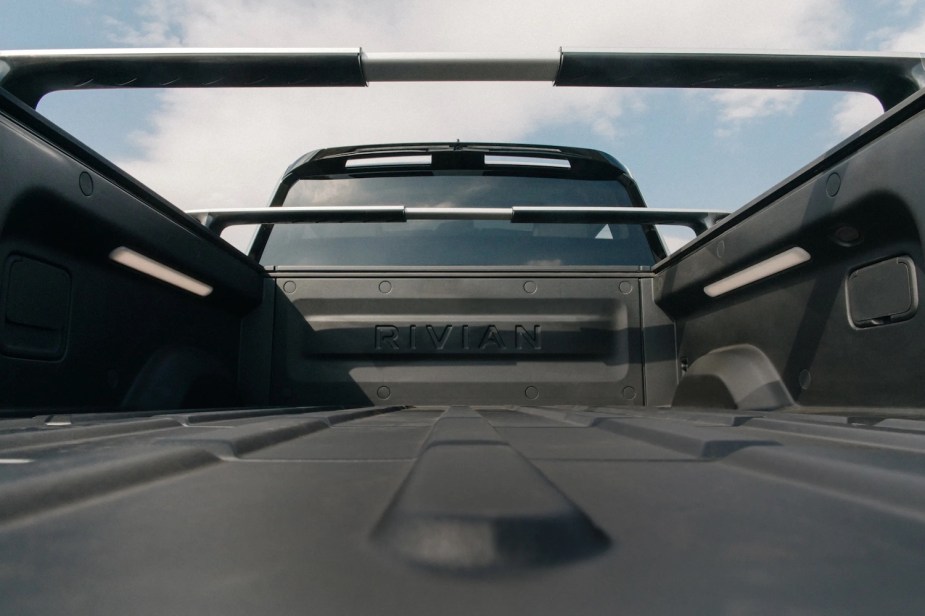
463 510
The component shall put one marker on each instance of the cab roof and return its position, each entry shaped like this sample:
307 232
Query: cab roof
436 157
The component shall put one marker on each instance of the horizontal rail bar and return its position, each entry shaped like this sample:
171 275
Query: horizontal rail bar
698 220
29 75
458 213
217 220
460 67
889 76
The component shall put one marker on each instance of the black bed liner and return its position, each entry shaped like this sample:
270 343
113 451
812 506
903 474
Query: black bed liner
472 493
555 511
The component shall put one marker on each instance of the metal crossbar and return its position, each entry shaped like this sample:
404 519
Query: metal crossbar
698 220
29 75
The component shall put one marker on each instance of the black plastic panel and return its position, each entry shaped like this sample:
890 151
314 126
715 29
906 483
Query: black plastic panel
889 82
35 77
464 510
36 300
884 292
78 329
800 318
504 340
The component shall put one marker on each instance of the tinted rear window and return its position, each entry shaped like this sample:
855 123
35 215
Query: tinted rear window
457 242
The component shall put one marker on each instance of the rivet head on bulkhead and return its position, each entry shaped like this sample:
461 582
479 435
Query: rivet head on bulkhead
832 184
86 183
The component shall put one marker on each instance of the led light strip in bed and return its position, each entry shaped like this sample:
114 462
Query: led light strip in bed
149 266
759 271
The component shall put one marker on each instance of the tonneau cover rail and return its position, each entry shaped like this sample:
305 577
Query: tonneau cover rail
698 220
29 75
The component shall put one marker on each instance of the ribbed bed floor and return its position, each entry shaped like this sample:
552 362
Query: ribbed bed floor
462 510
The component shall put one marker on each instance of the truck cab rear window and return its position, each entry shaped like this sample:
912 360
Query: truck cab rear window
456 242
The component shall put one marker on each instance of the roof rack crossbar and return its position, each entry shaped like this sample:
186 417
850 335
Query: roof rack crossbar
889 76
218 220
30 75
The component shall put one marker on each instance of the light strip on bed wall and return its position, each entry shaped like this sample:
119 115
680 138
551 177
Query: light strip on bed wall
149 266
759 271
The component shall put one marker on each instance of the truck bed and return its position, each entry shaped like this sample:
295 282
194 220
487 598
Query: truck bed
715 433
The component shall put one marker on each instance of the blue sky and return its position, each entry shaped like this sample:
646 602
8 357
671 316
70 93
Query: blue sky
686 149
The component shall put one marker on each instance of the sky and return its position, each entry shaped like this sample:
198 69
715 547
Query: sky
696 149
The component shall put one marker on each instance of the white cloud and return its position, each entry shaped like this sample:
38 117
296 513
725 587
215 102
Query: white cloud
251 137
856 110
226 148
738 106
159 21
912 39
499 25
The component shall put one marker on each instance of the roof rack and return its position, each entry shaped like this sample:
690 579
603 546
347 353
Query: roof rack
29 75
698 220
